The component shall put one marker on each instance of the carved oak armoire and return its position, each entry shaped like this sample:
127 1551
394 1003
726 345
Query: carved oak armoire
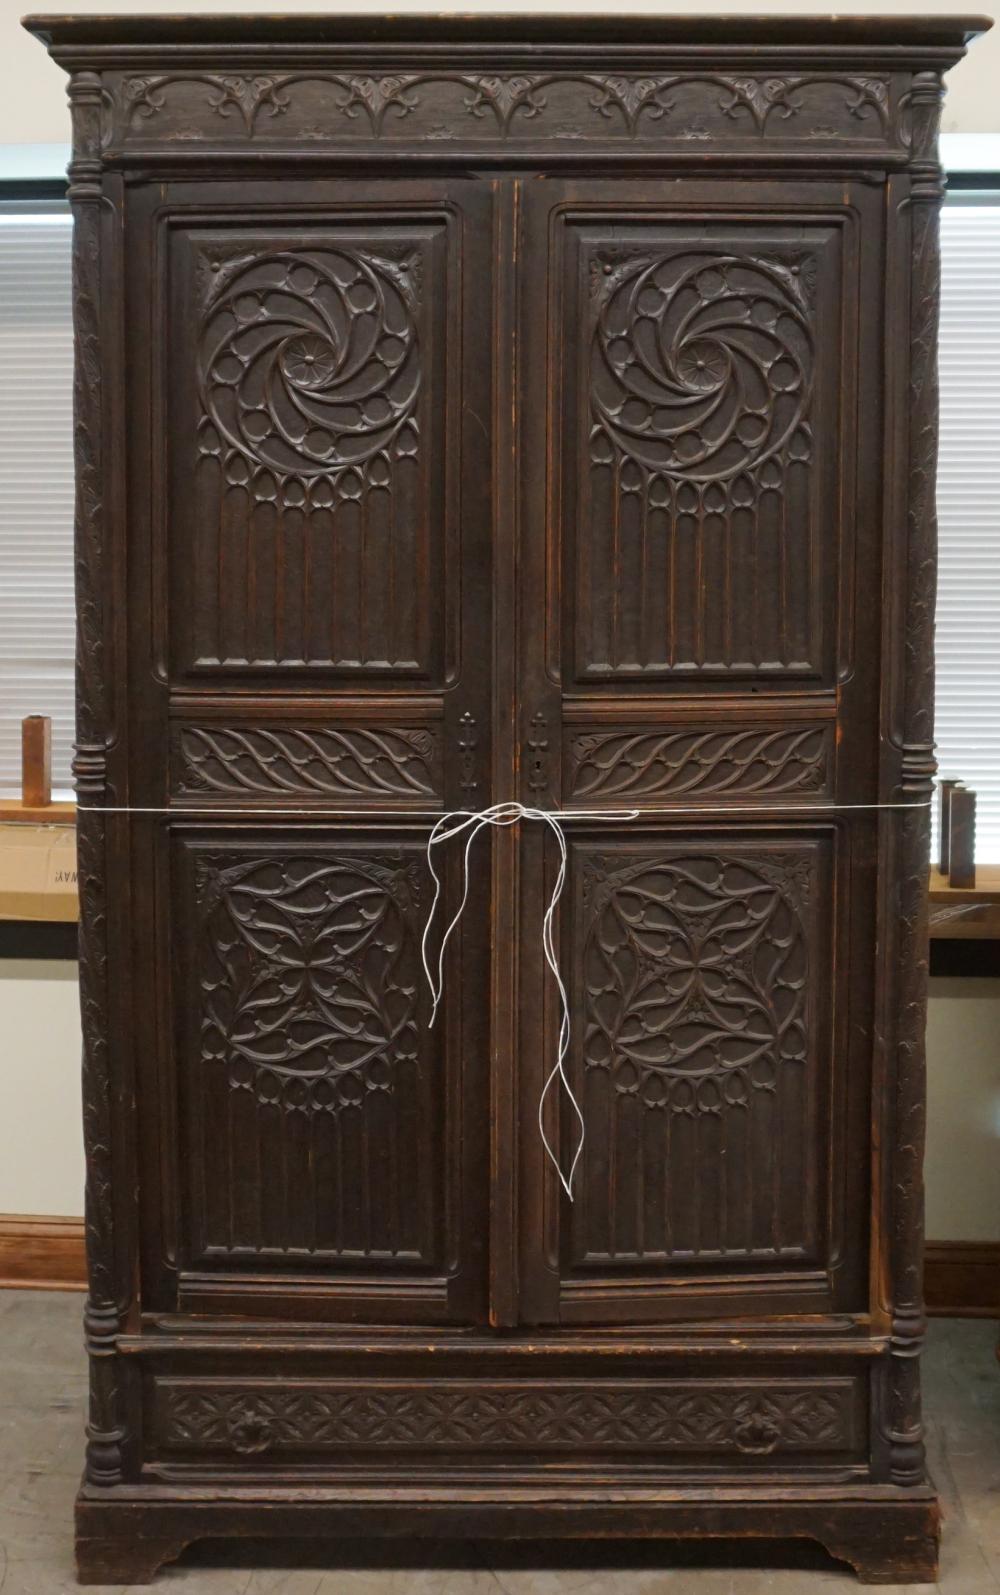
472 409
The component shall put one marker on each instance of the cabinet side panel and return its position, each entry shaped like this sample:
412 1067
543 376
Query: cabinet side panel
914 218
107 1269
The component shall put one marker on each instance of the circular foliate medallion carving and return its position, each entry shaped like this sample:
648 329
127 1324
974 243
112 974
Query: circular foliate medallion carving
695 982
308 995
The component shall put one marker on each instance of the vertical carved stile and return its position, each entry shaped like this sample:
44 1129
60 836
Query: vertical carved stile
918 766
103 1309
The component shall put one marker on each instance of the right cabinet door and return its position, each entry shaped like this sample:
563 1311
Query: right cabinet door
701 397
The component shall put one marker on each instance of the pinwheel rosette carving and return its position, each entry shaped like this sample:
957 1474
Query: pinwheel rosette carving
701 367
309 374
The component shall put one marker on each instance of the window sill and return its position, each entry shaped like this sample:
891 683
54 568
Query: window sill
13 811
966 913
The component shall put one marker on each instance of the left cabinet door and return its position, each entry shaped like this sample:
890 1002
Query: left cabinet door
308 563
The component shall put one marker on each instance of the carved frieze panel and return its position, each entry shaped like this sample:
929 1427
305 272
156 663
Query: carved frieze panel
706 390
700 975
308 464
650 763
363 764
819 109
735 1417
306 1074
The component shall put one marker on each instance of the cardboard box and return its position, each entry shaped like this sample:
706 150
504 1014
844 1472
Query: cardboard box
38 872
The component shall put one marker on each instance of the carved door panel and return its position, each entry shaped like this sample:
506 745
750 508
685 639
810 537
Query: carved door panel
326 1135
310 533
701 572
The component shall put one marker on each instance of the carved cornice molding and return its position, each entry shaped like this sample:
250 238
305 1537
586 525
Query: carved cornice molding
836 109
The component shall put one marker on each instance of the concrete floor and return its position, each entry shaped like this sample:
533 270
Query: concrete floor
41 1403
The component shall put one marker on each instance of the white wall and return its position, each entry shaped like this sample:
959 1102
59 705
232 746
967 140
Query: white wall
33 109
963 1110
41 1149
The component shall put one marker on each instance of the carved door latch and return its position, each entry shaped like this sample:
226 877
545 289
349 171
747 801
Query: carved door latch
468 741
537 761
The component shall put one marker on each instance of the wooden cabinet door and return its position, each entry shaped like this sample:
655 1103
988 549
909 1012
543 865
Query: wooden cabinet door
308 585
701 617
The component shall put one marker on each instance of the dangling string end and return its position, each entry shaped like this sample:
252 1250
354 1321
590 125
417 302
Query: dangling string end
473 821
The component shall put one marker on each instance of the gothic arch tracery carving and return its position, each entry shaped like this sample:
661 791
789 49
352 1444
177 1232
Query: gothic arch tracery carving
695 980
308 990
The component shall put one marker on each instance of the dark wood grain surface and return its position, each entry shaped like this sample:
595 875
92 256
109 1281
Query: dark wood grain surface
820 32
473 411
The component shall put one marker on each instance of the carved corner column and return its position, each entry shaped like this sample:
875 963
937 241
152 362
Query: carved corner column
106 1298
917 769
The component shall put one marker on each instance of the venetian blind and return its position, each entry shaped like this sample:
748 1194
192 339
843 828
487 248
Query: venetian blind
968 614
36 484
